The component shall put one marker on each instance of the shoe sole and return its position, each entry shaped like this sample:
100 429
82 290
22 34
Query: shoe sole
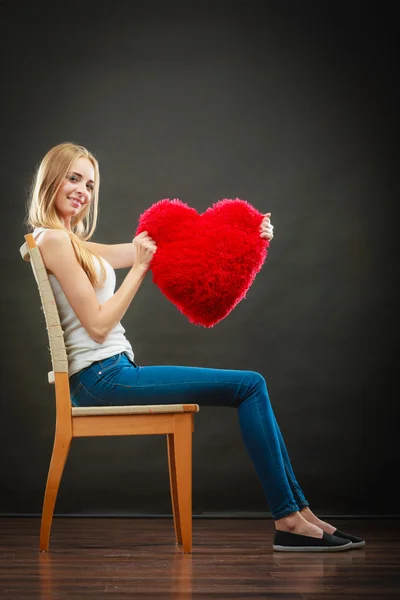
358 544
313 548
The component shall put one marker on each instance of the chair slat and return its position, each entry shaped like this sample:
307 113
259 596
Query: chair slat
134 410
55 334
24 250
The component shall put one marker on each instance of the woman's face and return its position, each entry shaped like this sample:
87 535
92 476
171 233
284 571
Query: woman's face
76 191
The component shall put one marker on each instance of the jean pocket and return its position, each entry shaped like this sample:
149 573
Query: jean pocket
74 392
83 398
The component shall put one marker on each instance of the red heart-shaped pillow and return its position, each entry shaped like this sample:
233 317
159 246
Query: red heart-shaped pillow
205 263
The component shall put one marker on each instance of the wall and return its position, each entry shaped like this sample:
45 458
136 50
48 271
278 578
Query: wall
291 108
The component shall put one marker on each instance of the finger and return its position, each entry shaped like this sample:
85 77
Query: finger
141 235
148 240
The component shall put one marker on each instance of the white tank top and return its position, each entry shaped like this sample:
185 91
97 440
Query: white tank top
82 351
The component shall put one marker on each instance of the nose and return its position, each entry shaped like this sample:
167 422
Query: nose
82 189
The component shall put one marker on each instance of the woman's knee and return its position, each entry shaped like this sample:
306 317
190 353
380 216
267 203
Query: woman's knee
255 379
253 385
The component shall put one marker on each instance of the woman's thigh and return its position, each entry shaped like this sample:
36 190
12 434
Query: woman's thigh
123 383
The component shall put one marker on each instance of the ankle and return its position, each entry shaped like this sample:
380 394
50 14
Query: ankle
290 522
296 523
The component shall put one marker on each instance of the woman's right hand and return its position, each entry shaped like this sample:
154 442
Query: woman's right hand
145 248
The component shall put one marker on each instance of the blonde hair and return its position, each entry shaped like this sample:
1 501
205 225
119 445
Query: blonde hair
41 206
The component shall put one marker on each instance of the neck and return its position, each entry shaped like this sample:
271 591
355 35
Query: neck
66 221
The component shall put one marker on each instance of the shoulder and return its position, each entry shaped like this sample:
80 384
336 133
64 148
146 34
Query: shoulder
56 249
53 238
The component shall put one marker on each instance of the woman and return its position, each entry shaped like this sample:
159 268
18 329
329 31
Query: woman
63 213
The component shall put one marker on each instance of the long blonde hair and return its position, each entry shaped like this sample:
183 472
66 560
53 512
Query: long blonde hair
41 206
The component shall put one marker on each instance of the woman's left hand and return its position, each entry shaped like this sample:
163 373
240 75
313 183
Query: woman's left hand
267 230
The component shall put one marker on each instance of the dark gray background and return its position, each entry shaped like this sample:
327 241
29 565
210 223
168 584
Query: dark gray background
288 105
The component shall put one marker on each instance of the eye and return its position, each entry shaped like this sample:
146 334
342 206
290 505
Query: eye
73 178
91 187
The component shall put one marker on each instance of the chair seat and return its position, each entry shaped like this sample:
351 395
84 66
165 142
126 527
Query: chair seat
133 410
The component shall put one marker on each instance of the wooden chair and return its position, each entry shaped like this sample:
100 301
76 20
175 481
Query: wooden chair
175 420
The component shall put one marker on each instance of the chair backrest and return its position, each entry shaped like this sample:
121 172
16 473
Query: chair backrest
30 252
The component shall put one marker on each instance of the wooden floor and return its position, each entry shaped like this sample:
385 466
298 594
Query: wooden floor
232 559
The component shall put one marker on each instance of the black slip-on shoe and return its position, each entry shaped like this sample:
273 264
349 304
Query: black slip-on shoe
284 541
356 542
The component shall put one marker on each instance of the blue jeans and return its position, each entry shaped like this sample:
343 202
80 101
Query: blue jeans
117 381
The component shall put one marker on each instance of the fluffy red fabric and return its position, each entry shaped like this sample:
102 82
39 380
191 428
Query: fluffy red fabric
205 263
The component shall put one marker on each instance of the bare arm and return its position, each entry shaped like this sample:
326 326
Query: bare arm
98 319
118 255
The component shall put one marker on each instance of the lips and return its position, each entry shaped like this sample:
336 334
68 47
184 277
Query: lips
74 202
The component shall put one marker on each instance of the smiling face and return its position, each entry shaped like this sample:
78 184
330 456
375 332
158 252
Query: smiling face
76 190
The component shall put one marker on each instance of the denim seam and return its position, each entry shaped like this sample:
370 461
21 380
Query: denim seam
104 402
271 453
223 383
105 369
75 390
296 489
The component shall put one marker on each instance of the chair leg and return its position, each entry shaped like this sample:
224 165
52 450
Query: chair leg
61 448
174 492
183 477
